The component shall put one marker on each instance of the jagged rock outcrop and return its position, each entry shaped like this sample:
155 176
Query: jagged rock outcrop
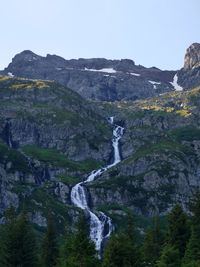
192 57
189 75
97 78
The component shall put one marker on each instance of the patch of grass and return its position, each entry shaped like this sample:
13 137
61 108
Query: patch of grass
58 116
21 188
30 85
69 180
187 133
42 200
55 158
118 182
4 78
184 113
164 146
18 161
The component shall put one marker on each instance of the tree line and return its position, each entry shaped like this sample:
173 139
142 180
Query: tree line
177 246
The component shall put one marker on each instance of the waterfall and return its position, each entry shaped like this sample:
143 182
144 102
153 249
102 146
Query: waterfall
100 222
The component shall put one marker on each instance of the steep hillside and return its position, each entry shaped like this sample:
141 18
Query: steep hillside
160 149
48 135
51 138
96 79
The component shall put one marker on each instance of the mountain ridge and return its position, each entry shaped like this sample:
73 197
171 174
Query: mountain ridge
96 78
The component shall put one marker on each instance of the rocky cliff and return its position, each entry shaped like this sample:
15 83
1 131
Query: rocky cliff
160 150
189 75
48 135
95 79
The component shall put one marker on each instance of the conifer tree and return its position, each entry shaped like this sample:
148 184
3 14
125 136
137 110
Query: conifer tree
178 229
79 250
49 245
7 238
121 250
152 244
19 246
192 253
170 257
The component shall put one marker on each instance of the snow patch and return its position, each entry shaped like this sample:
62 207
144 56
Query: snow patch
33 58
107 75
10 74
135 74
154 84
106 70
58 68
175 84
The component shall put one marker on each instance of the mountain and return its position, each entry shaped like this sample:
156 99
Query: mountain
51 138
94 79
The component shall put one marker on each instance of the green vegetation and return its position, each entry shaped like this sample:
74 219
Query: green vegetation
122 250
78 250
192 253
69 180
187 133
169 258
30 85
17 160
175 246
153 243
49 245
13 83
18 245
178 230
41 200
55 158
45 201
164 146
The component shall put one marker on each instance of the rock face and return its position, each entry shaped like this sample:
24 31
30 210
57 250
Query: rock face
192 57
161 152
189 75
48 134
50 116
95 79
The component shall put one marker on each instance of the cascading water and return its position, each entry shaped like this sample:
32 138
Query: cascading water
101 225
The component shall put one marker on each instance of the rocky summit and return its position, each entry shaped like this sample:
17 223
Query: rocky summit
140 153
189 75
192 57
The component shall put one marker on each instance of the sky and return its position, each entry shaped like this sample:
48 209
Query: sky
151 32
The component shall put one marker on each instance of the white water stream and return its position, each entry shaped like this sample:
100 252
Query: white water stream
100 224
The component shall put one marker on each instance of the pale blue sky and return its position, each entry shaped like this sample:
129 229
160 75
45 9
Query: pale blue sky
151 32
